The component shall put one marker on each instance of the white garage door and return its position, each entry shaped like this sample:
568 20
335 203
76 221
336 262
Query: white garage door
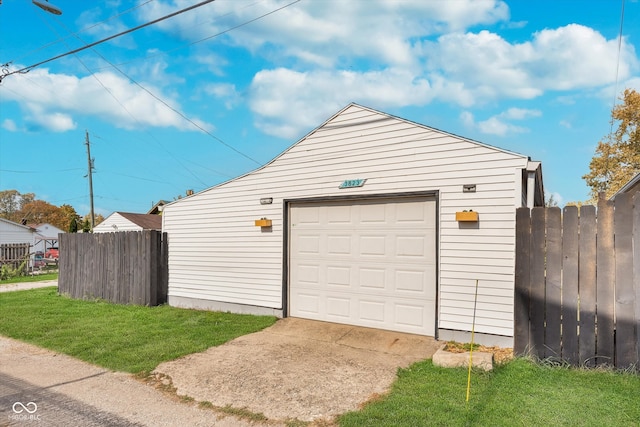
366 263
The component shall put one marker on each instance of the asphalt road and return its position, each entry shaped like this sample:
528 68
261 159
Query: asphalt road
23 403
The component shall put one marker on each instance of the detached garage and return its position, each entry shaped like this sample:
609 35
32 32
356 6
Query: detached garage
369 220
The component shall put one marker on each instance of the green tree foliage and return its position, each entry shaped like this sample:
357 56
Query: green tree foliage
73 225
617 156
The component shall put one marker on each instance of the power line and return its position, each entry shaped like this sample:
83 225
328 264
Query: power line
221 33
62 39
615 95
47 171
118 101
6 73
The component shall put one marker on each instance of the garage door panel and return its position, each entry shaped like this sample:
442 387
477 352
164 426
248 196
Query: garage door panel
309 244
339 215
375 245
339 244
411 281
372 278
366 263
308 303
339 307
338 276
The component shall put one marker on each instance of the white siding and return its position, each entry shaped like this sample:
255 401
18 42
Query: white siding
116 222
48 232
10 232
216 252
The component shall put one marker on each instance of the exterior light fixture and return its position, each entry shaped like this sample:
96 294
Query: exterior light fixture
48 7
266 200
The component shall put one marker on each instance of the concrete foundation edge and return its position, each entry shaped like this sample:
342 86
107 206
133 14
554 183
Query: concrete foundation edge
200 304
483 339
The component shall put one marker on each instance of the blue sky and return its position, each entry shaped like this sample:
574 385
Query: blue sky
254 76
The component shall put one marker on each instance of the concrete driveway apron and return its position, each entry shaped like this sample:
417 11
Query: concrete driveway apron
298 369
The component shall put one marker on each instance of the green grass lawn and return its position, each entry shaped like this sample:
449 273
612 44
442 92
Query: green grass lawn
519 393
119 337
136 339
35 278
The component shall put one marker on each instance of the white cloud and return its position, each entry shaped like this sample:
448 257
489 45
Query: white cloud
315 95
226 92
324 34
500 124
496 126
54 122
49 101
520 113
9 125
567 58
566 124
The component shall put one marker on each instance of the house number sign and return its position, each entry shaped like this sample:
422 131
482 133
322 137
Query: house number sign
352 183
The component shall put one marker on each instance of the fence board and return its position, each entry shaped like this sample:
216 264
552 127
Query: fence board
570 264
15 255
625 338
553 277
578 279
123 267
605 284
536 309
521 344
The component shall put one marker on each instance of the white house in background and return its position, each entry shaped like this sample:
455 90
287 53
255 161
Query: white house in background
125 221
12 232
46 236
365 221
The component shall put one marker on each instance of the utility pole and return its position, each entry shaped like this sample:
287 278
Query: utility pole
90 166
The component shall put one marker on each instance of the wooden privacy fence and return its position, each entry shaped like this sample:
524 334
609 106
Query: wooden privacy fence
14 255
124 267
577 290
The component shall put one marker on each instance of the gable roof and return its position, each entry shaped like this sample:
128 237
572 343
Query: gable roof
40 229
146 221
157 208
386 116
17 225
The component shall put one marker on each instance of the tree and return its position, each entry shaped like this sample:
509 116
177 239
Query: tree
617 156
73 225
40 212
550 201
69 214
98 218
10 202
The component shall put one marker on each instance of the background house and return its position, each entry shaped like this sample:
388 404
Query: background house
16 242
12 232
125 221
361 222
45 237
156 209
